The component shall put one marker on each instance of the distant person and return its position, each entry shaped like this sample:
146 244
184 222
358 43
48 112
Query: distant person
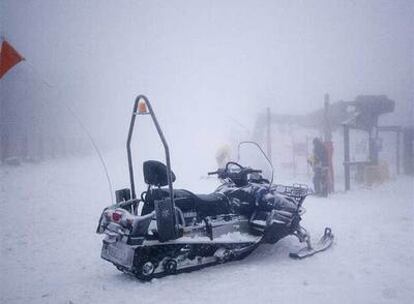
223 155
319 163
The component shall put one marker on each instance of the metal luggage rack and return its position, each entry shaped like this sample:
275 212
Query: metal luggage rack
296 190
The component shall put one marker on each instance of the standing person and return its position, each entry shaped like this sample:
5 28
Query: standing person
319 163
223 155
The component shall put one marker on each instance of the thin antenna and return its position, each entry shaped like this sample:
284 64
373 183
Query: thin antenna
83 127
98 152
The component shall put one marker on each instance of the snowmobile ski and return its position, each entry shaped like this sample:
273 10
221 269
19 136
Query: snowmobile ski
324 243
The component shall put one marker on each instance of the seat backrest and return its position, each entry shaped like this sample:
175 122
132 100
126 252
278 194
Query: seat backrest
155 173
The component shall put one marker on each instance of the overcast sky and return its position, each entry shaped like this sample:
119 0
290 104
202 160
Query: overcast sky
213 63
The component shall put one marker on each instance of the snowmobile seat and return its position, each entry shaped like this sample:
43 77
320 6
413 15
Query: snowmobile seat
204 204
212 204
185 200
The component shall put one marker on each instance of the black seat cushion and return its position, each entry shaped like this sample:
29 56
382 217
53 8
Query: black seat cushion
212 204
185 200
204 204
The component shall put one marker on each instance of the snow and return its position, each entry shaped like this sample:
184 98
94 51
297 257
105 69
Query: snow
50 252
225 238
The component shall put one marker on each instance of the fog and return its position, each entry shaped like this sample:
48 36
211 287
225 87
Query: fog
216 73
209 67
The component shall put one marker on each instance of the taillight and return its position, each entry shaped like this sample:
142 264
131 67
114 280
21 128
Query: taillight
119 217
116 217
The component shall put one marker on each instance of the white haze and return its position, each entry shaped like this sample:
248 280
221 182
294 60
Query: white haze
211 66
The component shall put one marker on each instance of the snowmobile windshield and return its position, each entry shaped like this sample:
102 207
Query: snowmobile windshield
250 154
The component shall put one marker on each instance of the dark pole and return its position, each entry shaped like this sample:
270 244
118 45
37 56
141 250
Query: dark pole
269 140
346 158
373 142
328 144
326 128
398 152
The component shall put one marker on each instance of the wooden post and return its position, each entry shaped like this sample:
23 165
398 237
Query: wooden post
398 152
269 135
327 131
326 125
24 149
3 142
308 173
346 158
292 139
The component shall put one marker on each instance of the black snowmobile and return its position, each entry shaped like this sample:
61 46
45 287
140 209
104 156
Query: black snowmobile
167 231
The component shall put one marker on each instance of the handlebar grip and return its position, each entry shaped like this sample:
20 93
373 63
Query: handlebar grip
256 171
212 173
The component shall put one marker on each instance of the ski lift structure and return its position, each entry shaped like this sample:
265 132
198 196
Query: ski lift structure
362 114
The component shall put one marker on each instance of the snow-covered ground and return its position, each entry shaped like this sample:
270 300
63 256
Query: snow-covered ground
50 252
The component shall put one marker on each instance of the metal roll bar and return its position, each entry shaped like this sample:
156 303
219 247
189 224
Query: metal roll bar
135 112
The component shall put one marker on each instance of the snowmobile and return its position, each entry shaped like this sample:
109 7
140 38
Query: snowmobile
167 231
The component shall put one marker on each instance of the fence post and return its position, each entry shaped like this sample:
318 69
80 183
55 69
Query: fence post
346 158
269 134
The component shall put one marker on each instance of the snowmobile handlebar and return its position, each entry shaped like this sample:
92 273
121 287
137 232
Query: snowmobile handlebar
213 172
225 172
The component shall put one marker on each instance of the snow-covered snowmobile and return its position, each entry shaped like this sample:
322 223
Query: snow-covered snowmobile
167 231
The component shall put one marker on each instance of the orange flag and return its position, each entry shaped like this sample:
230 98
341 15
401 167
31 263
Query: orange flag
9 57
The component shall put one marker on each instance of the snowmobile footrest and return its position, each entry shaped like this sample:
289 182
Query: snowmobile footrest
324 243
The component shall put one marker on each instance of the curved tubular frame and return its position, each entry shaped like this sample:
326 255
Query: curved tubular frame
163 140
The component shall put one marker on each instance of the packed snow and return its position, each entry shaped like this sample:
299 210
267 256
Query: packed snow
51 254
